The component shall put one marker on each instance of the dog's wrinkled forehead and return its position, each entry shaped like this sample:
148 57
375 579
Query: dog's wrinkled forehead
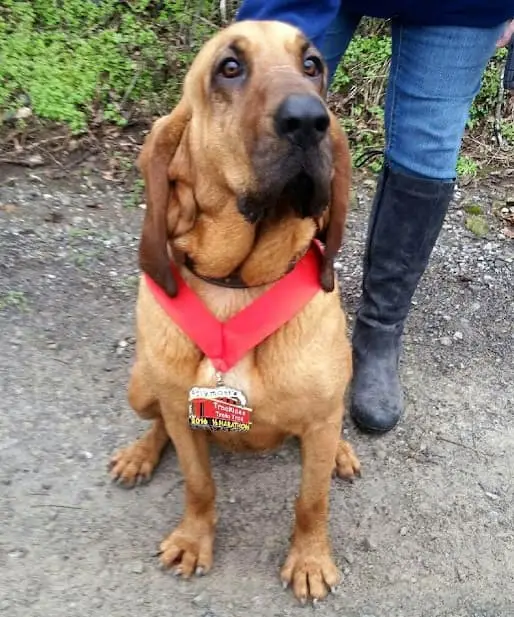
249 48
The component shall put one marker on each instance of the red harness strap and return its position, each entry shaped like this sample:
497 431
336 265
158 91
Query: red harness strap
225 343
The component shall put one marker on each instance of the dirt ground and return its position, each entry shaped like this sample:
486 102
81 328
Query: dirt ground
427 531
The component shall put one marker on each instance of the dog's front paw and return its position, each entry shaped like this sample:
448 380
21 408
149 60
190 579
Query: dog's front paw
188 549
311 572
133 465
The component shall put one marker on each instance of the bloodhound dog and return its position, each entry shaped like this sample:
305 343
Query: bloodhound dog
246 172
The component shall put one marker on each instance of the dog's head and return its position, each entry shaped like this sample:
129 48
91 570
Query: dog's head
251 141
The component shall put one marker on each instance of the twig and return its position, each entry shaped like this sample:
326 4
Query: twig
130 88
223 11
22 162
462 445
82 158
43 142
498 110
55 505
208 22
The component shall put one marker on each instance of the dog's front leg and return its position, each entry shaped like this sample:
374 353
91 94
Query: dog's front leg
309 567
189 548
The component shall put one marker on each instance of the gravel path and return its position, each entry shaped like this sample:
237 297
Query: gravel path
427 531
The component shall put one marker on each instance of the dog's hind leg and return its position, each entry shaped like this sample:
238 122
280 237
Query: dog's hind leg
136 463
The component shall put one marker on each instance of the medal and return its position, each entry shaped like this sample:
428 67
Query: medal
221 408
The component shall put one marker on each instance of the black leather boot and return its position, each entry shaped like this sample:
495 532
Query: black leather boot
404 224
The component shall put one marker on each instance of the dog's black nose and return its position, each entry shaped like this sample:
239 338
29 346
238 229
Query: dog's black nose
302 118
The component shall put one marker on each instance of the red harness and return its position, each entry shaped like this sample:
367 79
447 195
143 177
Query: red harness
225 343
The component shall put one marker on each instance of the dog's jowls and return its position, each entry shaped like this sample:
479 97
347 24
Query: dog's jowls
243 174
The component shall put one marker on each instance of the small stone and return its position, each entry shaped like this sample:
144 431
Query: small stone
349 558
458 336
199 599
23 112
368 544
123 344
493 516
4 605
403 531
231 500
85 455
492 496
18 553
446 341
137 568
46 486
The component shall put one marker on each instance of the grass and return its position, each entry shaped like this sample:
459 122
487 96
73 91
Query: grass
13 299
477 225
475 209
136 195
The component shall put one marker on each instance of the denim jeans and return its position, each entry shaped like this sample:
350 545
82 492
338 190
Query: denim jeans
435 73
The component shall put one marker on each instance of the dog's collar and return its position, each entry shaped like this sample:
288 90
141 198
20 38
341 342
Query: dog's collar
234 280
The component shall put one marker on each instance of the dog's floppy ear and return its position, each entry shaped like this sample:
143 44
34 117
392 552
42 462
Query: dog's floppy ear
154 162
333 228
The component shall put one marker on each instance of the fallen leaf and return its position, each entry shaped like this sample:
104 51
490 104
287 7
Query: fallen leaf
9 208
509 232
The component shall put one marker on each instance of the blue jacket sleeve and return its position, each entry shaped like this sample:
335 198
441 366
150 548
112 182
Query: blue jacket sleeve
311 16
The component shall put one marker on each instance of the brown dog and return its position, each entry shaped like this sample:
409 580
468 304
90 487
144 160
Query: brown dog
240 178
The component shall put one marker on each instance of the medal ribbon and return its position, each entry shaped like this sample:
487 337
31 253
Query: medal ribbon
225 343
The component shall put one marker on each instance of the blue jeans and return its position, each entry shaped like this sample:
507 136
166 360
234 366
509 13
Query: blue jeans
435 74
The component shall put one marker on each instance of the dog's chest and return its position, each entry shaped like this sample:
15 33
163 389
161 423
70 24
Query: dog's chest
238 377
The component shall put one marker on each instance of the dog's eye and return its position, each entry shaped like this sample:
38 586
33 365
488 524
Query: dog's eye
230 68
312 66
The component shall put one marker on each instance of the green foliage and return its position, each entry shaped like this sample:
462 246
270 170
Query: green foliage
13 299
477 225
484 103
466 166
83 61
475 209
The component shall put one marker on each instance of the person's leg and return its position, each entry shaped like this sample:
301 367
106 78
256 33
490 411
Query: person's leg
435 74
